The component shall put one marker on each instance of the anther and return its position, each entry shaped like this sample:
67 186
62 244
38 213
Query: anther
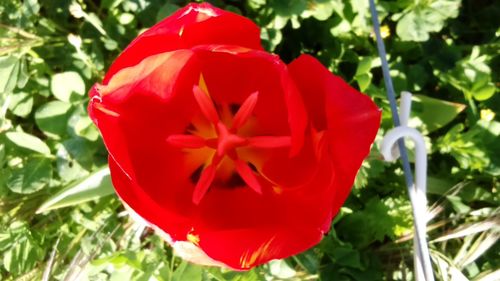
206 105
186 141
245 111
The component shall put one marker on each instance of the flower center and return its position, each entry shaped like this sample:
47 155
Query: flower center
226 142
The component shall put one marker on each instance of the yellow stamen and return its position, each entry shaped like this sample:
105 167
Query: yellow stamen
203 85
193 238
248 259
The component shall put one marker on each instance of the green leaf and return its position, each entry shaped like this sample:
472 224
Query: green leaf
363 80
436 185
21 104
94 20
125 18
23 76
364 65
289 8
320 11
2 154
166 10
308 260
457 204
426 17
52 118
431 114
371 224
271 37
68 168
32 177
67 86
95 186
187 271
86 129
9 71
28 142
485 92
22 256
347 256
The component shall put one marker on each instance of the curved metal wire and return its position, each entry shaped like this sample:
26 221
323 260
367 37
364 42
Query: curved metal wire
423 267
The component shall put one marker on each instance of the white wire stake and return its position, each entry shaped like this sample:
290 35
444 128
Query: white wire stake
417 192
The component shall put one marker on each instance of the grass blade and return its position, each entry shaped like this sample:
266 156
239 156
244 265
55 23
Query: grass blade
95 186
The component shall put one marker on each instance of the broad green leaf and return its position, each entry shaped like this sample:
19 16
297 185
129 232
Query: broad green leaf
430 114
289 8
86 129
426 17
166 10
320 11
363 81
80 125
437 185
457 204
363 75
82 151
68 168
472 75
67 86
22 256
187 271
364 65
2 154
9 71
366 226
485 92
95 186
94 20
28 141
21 104
23 76
308 260
271 37
33 176
125 18
346 255
52 118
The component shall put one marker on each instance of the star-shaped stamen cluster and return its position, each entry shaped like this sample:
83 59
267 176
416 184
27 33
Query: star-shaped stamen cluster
226 142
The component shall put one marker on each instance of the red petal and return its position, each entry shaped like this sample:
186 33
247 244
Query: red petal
195 24
269 142
176 225
206 105
109 125
186 141
153 100
291 172
247 175
245 111
351 118
237 226
232 73
245 248
157 75
206 179
118 108
297 115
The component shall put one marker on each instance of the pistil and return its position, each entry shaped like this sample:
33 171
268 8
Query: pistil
226 142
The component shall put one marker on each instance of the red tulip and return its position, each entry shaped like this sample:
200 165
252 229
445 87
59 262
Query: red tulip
234 156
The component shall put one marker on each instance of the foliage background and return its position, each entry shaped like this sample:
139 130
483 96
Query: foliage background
59 220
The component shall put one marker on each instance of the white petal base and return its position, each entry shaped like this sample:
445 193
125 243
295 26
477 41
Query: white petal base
183 249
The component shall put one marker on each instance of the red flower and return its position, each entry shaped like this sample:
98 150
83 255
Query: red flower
235 157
